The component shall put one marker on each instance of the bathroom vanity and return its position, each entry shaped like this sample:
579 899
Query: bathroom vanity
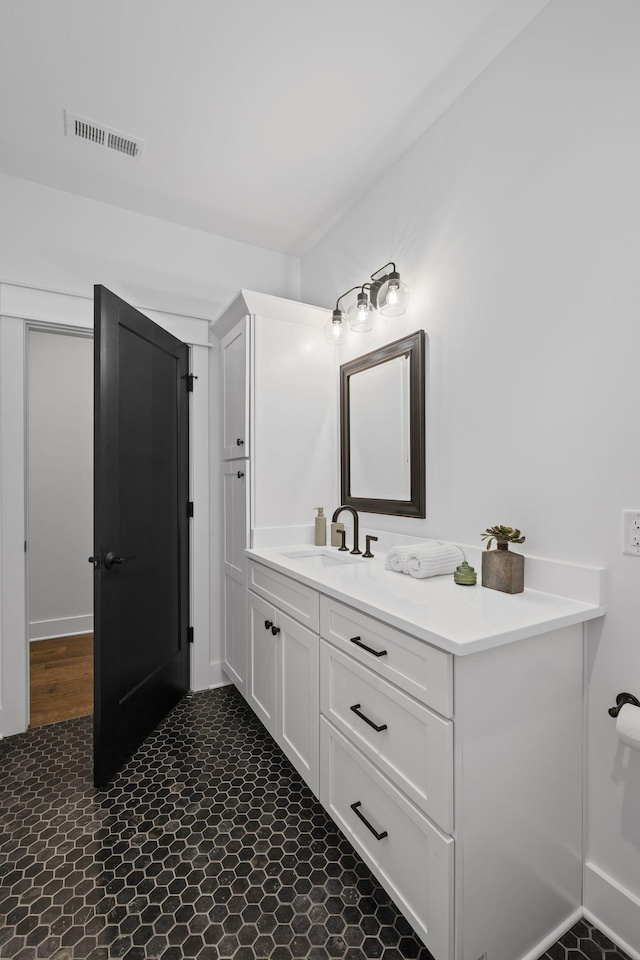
441 728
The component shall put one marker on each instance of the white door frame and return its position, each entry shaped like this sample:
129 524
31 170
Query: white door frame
21 307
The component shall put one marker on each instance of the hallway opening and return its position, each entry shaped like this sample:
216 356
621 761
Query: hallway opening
59 522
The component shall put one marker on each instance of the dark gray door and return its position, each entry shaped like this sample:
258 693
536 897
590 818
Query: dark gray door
141 548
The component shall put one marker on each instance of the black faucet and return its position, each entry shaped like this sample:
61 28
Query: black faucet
356 524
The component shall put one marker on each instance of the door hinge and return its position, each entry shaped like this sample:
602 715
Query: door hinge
190 634
190 377
190 508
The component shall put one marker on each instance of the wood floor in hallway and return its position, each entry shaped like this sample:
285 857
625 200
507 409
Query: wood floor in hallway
61 679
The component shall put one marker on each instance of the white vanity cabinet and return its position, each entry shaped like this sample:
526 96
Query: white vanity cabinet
469 817
386 761
457 778
283 654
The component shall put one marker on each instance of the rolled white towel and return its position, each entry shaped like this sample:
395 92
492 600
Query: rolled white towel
433 559
397 559
398 556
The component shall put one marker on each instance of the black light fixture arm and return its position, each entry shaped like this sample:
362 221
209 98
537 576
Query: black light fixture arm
345 294
380 269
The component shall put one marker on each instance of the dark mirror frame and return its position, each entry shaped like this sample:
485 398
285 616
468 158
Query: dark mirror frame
412 346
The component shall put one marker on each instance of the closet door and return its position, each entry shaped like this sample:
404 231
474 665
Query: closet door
235 377
235 526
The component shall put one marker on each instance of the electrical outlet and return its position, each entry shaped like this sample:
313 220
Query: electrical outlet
631 532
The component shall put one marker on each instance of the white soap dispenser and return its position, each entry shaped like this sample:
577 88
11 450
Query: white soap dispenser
321 528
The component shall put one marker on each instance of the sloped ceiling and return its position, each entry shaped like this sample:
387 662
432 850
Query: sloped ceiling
263 120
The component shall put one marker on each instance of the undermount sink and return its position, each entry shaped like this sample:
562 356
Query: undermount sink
322 558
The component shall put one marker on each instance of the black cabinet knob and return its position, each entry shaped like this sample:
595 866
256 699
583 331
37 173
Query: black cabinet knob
240 474
275 631
267 624
239 442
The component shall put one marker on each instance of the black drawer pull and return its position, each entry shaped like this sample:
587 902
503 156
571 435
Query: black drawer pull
356 710
378 836
275 631
267 624
358 642
240 474
239 442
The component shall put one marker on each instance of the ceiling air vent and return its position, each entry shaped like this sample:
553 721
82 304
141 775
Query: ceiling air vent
75 126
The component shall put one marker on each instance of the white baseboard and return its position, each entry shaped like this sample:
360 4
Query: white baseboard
217 677
612 908
555 934
63 627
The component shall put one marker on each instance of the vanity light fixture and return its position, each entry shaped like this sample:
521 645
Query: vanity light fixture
385 292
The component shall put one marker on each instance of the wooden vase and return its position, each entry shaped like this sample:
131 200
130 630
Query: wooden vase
503 570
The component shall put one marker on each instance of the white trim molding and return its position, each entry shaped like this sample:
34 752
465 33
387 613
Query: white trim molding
62 627
555 934
71 310
13 608
612 908
217 676
199 539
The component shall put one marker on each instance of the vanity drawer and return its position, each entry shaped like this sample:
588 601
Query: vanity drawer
420 669
413 861
299 601
415 750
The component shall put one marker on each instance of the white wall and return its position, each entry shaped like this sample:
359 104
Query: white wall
60 484
51 239
515 221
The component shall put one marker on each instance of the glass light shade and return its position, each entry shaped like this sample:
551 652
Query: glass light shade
393 297
336 330
361 314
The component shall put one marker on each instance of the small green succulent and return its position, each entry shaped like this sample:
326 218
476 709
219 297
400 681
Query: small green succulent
502 535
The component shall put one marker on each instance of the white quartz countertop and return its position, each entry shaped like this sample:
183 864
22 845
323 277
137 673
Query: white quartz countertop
457 619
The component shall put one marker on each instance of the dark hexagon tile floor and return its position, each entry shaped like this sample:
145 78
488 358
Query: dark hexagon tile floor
207 845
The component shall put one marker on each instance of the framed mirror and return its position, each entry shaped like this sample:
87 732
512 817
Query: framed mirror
382 420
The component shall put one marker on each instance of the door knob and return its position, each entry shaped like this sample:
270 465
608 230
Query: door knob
112 558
